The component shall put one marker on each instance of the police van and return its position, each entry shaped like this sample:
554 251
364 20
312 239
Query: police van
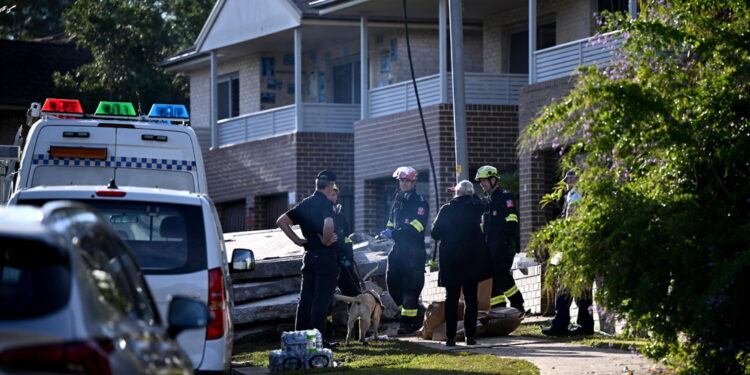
65 146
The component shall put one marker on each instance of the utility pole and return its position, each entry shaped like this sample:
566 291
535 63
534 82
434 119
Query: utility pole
459 99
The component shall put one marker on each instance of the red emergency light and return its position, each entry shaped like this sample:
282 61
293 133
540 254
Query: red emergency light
70 107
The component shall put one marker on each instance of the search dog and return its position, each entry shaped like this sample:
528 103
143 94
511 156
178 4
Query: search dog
367 307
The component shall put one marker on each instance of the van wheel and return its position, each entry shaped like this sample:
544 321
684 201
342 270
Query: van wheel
318 361
292 364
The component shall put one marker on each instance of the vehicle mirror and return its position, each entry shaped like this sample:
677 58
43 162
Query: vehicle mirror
242 260
186 313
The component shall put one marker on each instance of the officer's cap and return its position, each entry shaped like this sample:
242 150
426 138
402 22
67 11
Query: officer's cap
326 175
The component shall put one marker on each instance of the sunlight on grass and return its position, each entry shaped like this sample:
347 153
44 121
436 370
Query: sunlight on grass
396 357
596 340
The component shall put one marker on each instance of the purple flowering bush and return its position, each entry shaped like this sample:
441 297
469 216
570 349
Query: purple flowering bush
661 141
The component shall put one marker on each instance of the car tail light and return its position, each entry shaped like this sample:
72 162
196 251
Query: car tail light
217 302
89 357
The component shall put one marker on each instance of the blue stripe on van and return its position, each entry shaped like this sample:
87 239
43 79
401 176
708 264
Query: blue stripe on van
118 162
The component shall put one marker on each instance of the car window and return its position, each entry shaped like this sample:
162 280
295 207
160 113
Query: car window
165 238
35 278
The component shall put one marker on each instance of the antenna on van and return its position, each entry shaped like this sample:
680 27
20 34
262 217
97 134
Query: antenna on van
112 184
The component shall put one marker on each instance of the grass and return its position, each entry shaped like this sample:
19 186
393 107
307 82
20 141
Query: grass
396 357
600 341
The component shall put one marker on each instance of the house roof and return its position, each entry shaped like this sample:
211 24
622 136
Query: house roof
33 63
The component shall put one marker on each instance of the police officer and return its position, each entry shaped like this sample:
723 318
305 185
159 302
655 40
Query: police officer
501 234
585 318
405 272
315 216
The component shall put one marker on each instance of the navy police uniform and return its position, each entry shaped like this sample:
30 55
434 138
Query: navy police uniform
501 234
405 273
319 265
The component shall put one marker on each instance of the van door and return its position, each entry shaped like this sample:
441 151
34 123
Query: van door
45 169
156 158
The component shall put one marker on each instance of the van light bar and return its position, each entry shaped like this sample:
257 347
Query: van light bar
78 152
68 107
115 109
110 193
168 112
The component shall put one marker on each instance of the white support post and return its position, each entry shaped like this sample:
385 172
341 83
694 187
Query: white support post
532 41
298 76
213 126
364 74
633 8
442 48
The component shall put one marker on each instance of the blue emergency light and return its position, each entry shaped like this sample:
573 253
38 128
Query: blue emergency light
168 112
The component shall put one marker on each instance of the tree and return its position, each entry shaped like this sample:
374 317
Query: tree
31 19
662 142
127 39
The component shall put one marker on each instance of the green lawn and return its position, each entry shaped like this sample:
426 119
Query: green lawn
600 341
396 357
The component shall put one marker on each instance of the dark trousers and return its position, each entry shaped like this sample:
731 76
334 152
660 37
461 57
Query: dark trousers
319 273
471 308
585 317
504 287
405 286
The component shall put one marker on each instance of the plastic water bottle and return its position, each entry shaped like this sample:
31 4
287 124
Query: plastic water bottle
311 341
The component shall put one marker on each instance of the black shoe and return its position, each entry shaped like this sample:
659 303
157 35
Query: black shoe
450 342
470 341
330 344
580 331
552 331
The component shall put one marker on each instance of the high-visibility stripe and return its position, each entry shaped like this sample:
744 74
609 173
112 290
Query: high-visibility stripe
417 225
329 318
497 299
390 224
347 239
512 217
511 291
408 312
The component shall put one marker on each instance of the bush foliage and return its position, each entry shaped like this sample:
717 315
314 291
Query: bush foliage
662 143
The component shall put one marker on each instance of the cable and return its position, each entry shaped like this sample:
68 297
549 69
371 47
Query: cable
421 117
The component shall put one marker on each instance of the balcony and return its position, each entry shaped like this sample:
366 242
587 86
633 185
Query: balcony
316 117
481 88
562 60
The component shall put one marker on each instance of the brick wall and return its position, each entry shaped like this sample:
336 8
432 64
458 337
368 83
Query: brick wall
536 170
386 142
287 163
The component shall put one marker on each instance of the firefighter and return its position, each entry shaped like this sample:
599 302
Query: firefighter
501 234
405 271
315 216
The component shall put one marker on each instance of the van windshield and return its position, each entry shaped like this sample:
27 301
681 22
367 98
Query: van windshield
165 238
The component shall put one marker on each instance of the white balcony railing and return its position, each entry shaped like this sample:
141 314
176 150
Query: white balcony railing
317 117
481 88
560 61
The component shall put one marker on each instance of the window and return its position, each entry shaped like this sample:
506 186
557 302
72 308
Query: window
346 82
519 45
228 96
613 5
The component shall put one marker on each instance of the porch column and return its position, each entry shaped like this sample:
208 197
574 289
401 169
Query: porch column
364 73
633 8
214 127
298 76
532 41
442 48
459 95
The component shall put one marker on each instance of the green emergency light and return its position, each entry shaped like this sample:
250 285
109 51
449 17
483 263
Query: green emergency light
115 109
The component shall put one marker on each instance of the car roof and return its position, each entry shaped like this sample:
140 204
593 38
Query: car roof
22 221
151 125
79 192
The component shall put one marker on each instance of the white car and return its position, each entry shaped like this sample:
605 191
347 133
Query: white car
178 242
74 300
